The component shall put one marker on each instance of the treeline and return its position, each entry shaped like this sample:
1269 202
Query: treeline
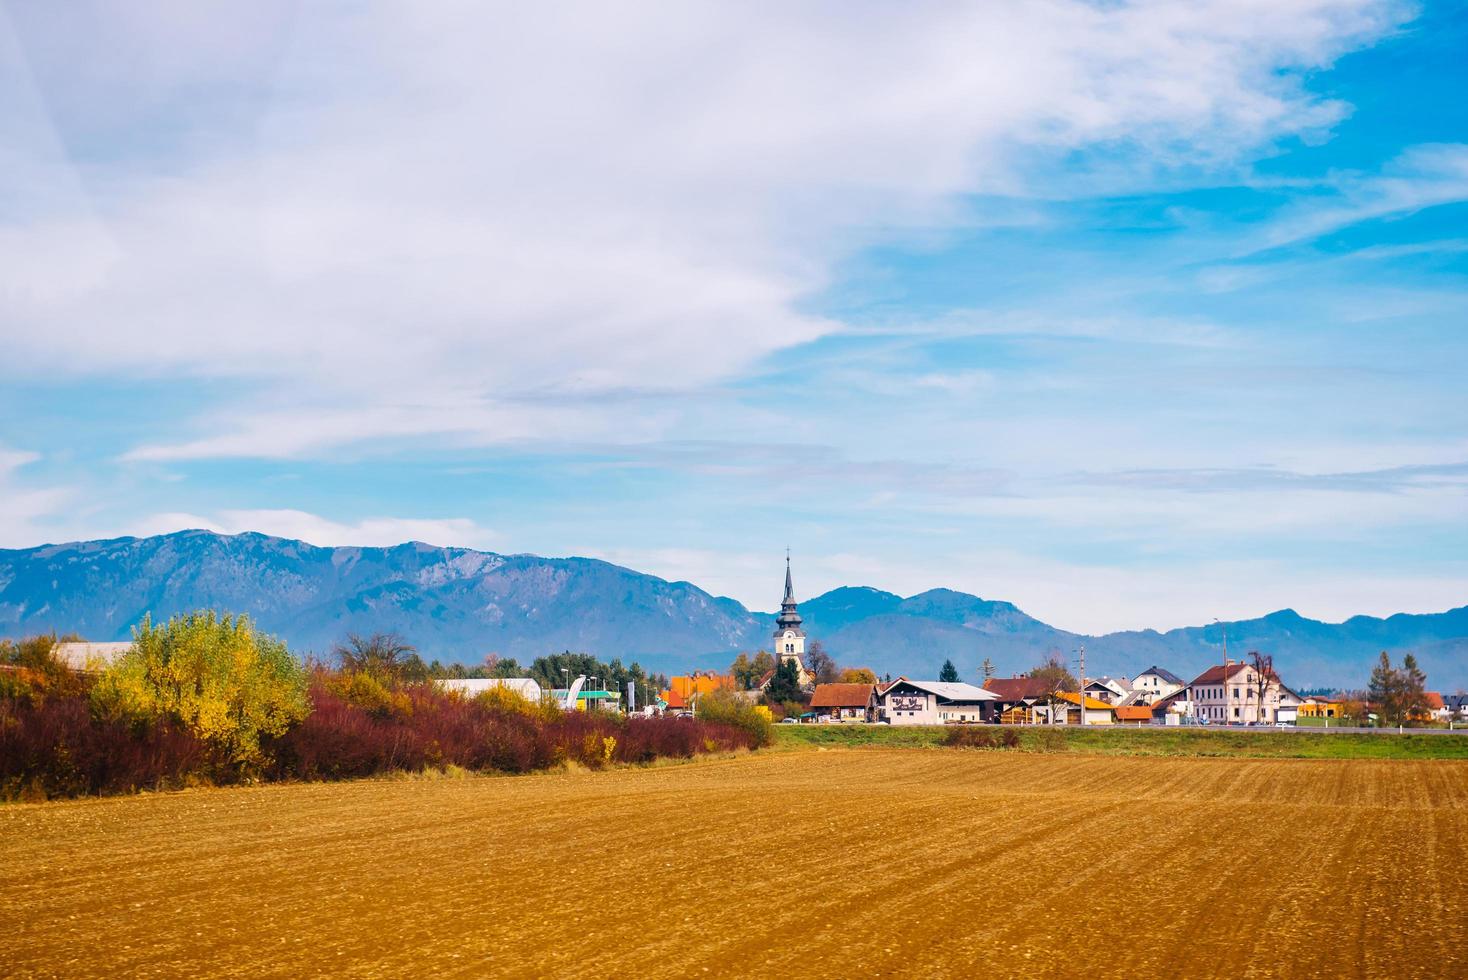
206 699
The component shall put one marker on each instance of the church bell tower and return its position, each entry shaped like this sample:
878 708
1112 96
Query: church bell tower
789 637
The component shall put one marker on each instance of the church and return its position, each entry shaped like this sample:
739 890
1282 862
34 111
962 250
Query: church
789 637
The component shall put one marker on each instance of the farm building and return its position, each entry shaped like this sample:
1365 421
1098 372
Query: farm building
844 702
908 702
526 687
1021 700
1097 712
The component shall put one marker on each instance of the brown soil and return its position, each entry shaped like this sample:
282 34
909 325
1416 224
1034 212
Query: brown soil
830 863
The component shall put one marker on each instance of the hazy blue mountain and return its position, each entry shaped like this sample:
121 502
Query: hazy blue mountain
460 604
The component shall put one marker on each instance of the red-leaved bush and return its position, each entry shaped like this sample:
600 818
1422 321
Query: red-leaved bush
57 743
56 747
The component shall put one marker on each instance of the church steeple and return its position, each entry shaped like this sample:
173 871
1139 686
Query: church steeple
788 619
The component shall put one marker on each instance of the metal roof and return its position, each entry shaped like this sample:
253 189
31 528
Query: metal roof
947 690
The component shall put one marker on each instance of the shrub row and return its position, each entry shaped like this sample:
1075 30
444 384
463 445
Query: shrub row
963 737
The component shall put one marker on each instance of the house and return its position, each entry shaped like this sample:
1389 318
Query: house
1229 694
844 702
909 702
526 687
1021 700
1098 712
1156 682
1436 708
1112 690
1457 705
1134 714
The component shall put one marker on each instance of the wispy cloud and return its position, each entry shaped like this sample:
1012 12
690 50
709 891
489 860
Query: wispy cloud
317 530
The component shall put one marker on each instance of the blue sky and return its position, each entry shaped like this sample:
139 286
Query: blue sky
1132 314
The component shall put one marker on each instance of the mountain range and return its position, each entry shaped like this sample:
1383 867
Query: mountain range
458 604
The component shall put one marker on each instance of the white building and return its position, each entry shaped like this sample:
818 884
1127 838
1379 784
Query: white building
1231 696
1157 682
82 655
906 702
526 687
1112 690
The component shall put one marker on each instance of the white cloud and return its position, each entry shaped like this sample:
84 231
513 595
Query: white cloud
24 508
321 531
397 210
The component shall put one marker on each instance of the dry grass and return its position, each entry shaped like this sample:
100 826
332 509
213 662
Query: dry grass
833 862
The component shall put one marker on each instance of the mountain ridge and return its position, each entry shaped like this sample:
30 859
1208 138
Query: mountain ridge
458 604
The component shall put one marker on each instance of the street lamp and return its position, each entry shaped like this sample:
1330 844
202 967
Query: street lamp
1227 702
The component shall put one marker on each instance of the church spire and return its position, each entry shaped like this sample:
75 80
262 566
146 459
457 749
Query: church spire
788 618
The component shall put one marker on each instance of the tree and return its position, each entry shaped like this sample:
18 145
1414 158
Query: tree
386 656
1388 691
1264 680
821 664
858 675
214 675
742 670
763 663
1414 689
949 673
987 669
1054 672
1057 678
785 685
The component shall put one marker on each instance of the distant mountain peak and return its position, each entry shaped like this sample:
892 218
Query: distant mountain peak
458 604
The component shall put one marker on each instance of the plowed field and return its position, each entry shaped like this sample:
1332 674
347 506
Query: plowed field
830 863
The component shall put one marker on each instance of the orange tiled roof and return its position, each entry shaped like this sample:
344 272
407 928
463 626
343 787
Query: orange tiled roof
842 695
1090 702
1134 712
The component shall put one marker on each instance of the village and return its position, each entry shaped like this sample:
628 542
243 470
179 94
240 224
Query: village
788 684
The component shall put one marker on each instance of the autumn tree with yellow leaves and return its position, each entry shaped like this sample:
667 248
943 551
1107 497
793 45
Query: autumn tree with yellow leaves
215 675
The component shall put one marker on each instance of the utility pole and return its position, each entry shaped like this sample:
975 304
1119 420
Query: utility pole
1083 684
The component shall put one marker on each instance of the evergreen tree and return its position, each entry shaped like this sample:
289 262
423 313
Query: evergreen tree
1386 691
949 673
785 685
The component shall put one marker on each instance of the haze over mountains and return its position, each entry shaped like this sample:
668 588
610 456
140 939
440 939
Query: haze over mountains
458 604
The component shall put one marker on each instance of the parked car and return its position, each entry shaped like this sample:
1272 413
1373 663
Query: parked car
789 721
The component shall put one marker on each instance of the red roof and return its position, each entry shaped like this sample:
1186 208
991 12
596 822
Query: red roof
1215 675
1434 700
842 695
1018 688
676 701
1134 712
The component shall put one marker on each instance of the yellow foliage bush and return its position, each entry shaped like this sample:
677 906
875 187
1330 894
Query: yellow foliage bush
369 693
214 674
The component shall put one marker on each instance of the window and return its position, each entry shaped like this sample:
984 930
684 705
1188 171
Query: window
1236 712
